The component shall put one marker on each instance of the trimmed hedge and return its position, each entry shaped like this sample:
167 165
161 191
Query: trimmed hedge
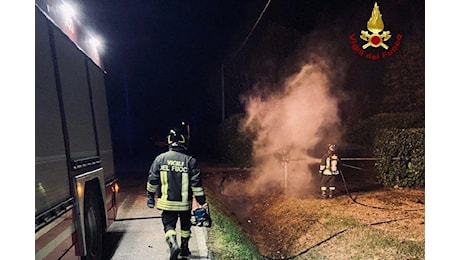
403 157
364 132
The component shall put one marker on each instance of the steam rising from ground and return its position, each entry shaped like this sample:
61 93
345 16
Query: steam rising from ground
289 124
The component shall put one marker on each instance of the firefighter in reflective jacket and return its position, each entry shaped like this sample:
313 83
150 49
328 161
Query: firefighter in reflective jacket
329 169
175 177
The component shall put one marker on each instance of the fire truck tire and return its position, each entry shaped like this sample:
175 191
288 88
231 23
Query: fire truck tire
93 227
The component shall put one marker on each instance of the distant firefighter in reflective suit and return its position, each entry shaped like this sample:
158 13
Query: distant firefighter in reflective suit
329 168
175 176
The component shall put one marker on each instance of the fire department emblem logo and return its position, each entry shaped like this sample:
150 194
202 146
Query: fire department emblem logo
377 35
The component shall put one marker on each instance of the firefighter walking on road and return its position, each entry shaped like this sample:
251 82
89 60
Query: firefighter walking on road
329 168
176 177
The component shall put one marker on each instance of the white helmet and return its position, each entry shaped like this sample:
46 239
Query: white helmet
332 147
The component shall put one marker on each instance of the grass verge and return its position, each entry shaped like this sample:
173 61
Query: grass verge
226 239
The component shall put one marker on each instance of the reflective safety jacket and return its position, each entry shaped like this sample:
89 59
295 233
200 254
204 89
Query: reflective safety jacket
176 177
330 164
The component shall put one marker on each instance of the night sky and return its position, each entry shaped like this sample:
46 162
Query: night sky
164 58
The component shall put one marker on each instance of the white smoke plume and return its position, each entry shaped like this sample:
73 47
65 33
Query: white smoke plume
288 124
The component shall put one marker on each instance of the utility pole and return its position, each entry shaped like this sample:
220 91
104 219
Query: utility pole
223 93
285 160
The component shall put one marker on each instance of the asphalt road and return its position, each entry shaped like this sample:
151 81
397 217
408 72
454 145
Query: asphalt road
137 232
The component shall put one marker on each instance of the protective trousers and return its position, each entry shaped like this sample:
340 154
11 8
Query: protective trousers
169 219
328 183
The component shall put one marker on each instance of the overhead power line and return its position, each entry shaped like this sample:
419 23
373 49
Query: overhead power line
253 27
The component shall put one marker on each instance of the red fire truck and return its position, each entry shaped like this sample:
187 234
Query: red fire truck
75 181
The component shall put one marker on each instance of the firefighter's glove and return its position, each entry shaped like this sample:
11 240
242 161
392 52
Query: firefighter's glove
150 200
208 221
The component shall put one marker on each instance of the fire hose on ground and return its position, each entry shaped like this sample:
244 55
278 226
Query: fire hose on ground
329 238
362 204
346 229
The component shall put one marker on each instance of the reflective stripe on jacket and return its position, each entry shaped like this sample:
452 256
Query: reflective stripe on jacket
175 176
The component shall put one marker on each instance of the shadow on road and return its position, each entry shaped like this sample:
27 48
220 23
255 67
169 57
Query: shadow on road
111 242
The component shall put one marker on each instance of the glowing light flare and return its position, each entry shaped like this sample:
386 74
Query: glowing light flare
96 47
79 189
116 188
68 11
95 42
69 16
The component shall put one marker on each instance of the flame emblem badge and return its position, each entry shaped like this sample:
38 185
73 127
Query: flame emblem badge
377 36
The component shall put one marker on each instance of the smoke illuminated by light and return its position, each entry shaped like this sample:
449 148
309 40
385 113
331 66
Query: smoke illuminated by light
292 121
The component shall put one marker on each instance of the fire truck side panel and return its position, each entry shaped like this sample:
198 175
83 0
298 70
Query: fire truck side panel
101 119
76 98
51 179
75 191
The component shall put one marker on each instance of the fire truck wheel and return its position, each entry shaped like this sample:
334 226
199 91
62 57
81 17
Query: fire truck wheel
93 227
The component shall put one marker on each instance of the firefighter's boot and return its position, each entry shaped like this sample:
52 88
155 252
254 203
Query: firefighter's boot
323 193
184 250
331 193
173 247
